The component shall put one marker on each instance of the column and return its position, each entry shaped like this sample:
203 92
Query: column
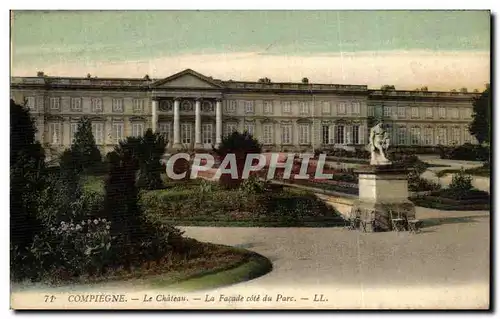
197 127
154 113
177 124
218 123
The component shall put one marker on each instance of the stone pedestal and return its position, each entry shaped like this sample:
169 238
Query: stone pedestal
383 196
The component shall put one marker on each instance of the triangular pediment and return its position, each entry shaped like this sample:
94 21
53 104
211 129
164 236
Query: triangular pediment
187 79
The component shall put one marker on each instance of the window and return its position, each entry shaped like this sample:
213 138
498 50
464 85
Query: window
467 136
414 112
55 103
355 134
117 132
230 128
455 135
73 129
165 129
428 136
304 134
325 108
356 108
429 113
387 111
415 135
98 132
30 102
206 133
286 134
341 108
325 134
137 129
371 110
76 104
117 105
401 111
287 107
304 108
186 133
231 107
96 104
339 134
467 112
442 112
390 131
249 107
267 137
55 133
402 135
250 128
268 107
441 136
138 105
454 113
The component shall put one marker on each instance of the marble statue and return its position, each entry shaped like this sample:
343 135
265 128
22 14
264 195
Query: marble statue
379 143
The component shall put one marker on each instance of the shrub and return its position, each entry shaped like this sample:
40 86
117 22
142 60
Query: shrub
253 185
466 152
461 182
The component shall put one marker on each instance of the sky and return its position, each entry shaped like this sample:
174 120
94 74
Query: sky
442 50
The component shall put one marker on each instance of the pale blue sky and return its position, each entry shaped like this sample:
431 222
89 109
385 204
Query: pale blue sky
154 42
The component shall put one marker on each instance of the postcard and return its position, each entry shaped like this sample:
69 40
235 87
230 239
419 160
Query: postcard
250 160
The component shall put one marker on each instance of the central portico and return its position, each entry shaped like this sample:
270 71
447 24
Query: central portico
185 101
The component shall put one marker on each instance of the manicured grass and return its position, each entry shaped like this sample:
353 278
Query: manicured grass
478 171
447 199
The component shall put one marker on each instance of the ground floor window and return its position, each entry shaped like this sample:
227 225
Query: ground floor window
249 128
304 134
339 134
137 129
207 133
186 133
230 128
267 136
355 134
428 136
98 132
415 135
286 134
402 135
165 129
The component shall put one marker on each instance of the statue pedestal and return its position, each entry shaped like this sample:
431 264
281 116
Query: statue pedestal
383 196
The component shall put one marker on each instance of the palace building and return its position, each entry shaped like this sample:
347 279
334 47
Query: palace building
196 111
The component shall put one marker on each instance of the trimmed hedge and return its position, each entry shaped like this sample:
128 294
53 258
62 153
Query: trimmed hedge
466 152
449 199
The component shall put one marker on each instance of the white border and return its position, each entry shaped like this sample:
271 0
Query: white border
185 4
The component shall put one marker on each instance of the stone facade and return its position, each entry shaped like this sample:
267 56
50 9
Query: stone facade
196 111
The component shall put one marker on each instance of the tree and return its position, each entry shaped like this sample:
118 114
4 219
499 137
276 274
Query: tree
85 154
387 87
480 126
305 80
265 80
150 149
27 165
240 144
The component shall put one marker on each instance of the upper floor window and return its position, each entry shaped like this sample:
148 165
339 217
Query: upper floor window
55 103
304 108
428 112
287 107
356 107
117 105
325 108
30 102
76 104
138 105
341 108
454 113
402 111
467 112
231 106
387 111
96 104
414 112
442 112
249 107
268 107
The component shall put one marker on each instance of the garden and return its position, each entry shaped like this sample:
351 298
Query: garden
69 224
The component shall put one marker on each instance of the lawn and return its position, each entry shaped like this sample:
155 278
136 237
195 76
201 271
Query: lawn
483 171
